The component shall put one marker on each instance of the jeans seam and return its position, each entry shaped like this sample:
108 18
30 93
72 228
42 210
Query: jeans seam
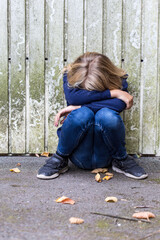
76 144
83 131
80 164
105 135
110 145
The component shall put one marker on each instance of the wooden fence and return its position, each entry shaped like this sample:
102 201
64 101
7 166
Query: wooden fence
38 37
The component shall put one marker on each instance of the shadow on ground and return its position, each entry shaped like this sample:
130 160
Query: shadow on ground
29 210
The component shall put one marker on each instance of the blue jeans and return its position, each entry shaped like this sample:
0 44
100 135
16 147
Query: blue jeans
92 140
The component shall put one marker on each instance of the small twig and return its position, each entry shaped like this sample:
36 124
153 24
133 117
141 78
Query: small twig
143 207
123 218
149 235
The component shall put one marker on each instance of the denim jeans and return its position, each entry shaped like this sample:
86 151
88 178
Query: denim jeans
92 140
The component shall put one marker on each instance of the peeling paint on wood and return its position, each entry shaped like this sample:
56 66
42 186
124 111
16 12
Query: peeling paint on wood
149 76
36 75
132 64
94 9
17 87
75 30
112 31
158 91
3 78
54 65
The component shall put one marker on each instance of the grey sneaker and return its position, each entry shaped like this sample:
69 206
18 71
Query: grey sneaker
129 168
54 166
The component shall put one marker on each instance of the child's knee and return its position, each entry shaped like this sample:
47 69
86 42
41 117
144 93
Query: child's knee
82 116
108 118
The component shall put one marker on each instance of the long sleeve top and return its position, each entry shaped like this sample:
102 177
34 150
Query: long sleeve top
95 100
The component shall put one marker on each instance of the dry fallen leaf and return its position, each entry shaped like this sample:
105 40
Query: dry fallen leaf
19 164
111 199
123 199
74 220
45 154
143 215
109 174
37 155
64 199
98 177
100 170
16 170
107 177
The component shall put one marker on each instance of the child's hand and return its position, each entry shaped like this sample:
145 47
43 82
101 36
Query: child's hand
124 96
64 112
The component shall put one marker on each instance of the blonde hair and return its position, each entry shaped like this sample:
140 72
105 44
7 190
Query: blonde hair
94 71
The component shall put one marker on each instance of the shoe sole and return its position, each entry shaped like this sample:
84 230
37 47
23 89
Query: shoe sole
128 174
55 175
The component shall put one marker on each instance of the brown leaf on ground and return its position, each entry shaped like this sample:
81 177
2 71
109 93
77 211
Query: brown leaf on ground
100 170
75 220
111 199
143 215
98 177
109 174
64 199
45 154
107 177
19 164
16 170
37 155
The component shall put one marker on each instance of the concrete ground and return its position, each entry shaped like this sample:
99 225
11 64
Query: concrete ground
28 209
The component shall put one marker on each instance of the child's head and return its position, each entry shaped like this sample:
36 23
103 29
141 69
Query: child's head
94 71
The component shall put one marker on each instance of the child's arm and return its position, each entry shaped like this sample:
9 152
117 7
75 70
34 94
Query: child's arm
120 101
76 96
114 104
64 113
124 96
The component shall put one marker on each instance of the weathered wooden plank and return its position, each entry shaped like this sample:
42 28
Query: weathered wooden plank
54 53
75 30
17 87
112 30
132 63
158 89
149 76
93 28
36 75
27 130
3 78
